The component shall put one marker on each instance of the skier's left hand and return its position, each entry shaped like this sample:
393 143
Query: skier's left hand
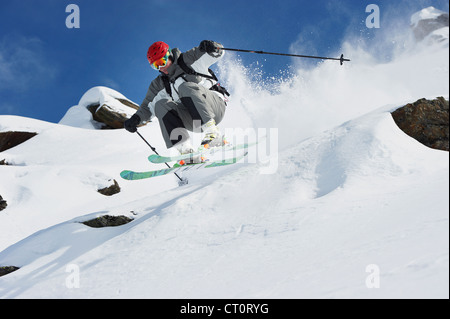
209 46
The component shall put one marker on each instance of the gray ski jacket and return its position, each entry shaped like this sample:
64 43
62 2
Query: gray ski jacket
197 60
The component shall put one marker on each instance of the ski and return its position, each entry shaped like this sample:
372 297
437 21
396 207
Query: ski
158 159
131 175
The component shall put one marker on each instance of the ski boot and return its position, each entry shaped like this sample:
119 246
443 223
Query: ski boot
213 137
186 148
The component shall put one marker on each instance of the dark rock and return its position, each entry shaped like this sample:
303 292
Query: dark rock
111 190
93 108
426 121
108 221
2 203
108 116
129 104
4 162
11 139
4 270
112 119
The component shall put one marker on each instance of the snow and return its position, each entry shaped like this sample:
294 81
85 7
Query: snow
351 196
18 123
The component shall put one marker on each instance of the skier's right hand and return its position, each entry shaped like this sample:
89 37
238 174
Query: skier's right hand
132 123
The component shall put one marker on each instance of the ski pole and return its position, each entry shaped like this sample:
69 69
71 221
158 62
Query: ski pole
341 59
154 150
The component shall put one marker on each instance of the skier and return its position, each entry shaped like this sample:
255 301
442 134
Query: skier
186 96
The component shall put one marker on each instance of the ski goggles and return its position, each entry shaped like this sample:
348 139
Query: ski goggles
162 62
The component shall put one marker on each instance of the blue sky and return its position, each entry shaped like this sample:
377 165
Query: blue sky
45 67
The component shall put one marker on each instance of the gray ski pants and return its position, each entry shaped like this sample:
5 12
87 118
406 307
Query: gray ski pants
197 105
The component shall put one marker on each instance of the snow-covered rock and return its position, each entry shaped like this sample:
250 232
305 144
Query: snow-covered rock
100 107
431 25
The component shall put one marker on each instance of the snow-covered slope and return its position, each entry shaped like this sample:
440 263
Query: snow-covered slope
353 202
361 194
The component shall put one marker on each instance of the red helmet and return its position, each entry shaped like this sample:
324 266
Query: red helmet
157 51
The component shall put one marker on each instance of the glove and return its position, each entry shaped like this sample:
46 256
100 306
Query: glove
209 46
132 123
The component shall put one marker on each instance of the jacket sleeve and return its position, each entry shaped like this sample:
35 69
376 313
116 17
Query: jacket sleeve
155 93
200 60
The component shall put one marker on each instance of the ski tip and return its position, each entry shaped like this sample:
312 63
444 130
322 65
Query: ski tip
126 175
